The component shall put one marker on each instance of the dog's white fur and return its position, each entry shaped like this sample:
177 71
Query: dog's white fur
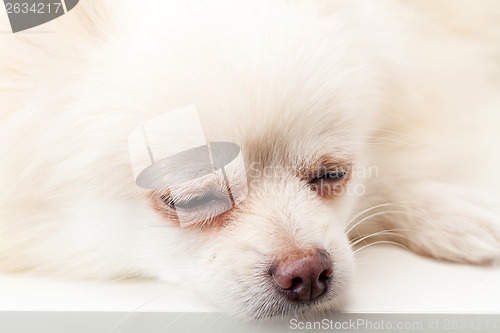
409 88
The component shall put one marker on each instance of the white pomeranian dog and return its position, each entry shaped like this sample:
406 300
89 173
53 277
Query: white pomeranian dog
358 121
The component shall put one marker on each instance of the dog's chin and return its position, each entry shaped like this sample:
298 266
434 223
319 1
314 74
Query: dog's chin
282 311
272 306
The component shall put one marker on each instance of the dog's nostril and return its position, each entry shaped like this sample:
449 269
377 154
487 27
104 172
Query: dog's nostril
295 282
304 278
325 275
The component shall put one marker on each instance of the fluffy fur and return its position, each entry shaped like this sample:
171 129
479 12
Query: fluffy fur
406 92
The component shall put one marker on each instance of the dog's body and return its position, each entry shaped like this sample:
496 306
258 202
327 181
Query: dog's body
400 95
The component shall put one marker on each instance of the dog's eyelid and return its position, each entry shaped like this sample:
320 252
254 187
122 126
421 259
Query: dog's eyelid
192 190
337 174
327 170
186 198
166 198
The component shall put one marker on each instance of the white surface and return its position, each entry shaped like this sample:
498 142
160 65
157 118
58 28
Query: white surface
391 279
388 279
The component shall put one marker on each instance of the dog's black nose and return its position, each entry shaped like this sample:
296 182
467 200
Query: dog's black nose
303 278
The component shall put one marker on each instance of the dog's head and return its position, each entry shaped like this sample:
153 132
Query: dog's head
297 104
281 247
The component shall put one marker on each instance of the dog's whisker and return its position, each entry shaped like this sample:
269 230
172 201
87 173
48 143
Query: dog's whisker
109 282
407 212
379 138
395 203
388 131
392 232
353 223
371 136
380 242
370 129
372 216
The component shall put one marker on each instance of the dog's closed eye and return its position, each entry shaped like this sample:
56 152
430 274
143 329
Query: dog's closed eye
201 209
334 175
330 181
194 202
